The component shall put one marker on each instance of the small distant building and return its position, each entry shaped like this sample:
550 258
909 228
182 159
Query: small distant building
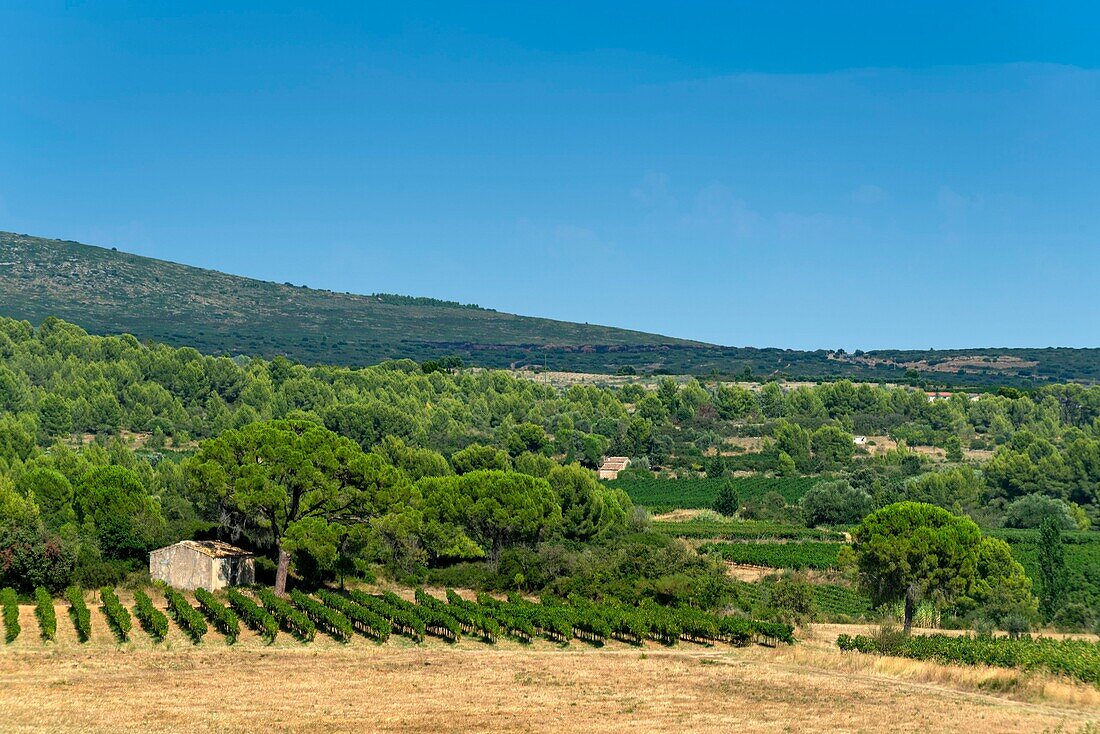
859 440
936 396
207 564
610 467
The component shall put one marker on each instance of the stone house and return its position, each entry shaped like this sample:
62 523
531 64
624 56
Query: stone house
611 466
207 564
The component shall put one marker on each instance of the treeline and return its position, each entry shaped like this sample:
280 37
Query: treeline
449 465
56 381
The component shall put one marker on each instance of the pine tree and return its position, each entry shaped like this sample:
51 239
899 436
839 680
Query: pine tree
727 502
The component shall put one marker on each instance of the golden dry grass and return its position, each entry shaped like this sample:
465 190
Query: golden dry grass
362 686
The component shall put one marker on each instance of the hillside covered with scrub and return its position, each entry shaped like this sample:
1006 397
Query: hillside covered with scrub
112 292
472 478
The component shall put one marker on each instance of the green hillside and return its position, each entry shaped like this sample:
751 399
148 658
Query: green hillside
106 291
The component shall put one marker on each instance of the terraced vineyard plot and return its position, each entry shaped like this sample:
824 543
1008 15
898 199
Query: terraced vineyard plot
1082 551
795 556
661 495
746 530
835 601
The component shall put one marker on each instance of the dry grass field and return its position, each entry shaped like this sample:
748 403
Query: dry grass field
328 687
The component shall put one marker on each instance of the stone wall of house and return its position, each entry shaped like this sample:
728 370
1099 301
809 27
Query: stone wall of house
182 567
240 571
187 568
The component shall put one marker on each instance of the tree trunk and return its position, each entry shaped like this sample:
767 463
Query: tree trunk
910 608
282 571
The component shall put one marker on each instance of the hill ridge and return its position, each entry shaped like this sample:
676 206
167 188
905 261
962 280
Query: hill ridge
109 291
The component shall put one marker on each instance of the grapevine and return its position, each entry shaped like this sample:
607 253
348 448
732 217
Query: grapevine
258 619
117 616
47 616
78 610
151 619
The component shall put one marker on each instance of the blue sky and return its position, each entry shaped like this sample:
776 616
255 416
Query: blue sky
803 175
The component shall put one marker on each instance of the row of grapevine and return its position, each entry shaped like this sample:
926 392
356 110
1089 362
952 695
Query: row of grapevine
186 616
327 619
258 619
470 619
290 619
436 621
117 616
78 609
362 619
222 617
402 616
517 626
797 556
47 615
152 620
560 620
1078 659
10 603
550 621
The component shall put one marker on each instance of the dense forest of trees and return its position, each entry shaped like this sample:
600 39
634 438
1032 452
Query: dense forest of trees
109 447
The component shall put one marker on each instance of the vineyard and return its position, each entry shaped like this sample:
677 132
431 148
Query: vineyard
743 530
661 495
833 602
795 556
1076 659
1082 553
345 615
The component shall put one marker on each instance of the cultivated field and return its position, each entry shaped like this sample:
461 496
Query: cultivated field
470 686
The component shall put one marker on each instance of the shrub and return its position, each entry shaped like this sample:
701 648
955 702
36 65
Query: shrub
834 503
726 502
791 600
47 616
1073 616
1030 510
1016 625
